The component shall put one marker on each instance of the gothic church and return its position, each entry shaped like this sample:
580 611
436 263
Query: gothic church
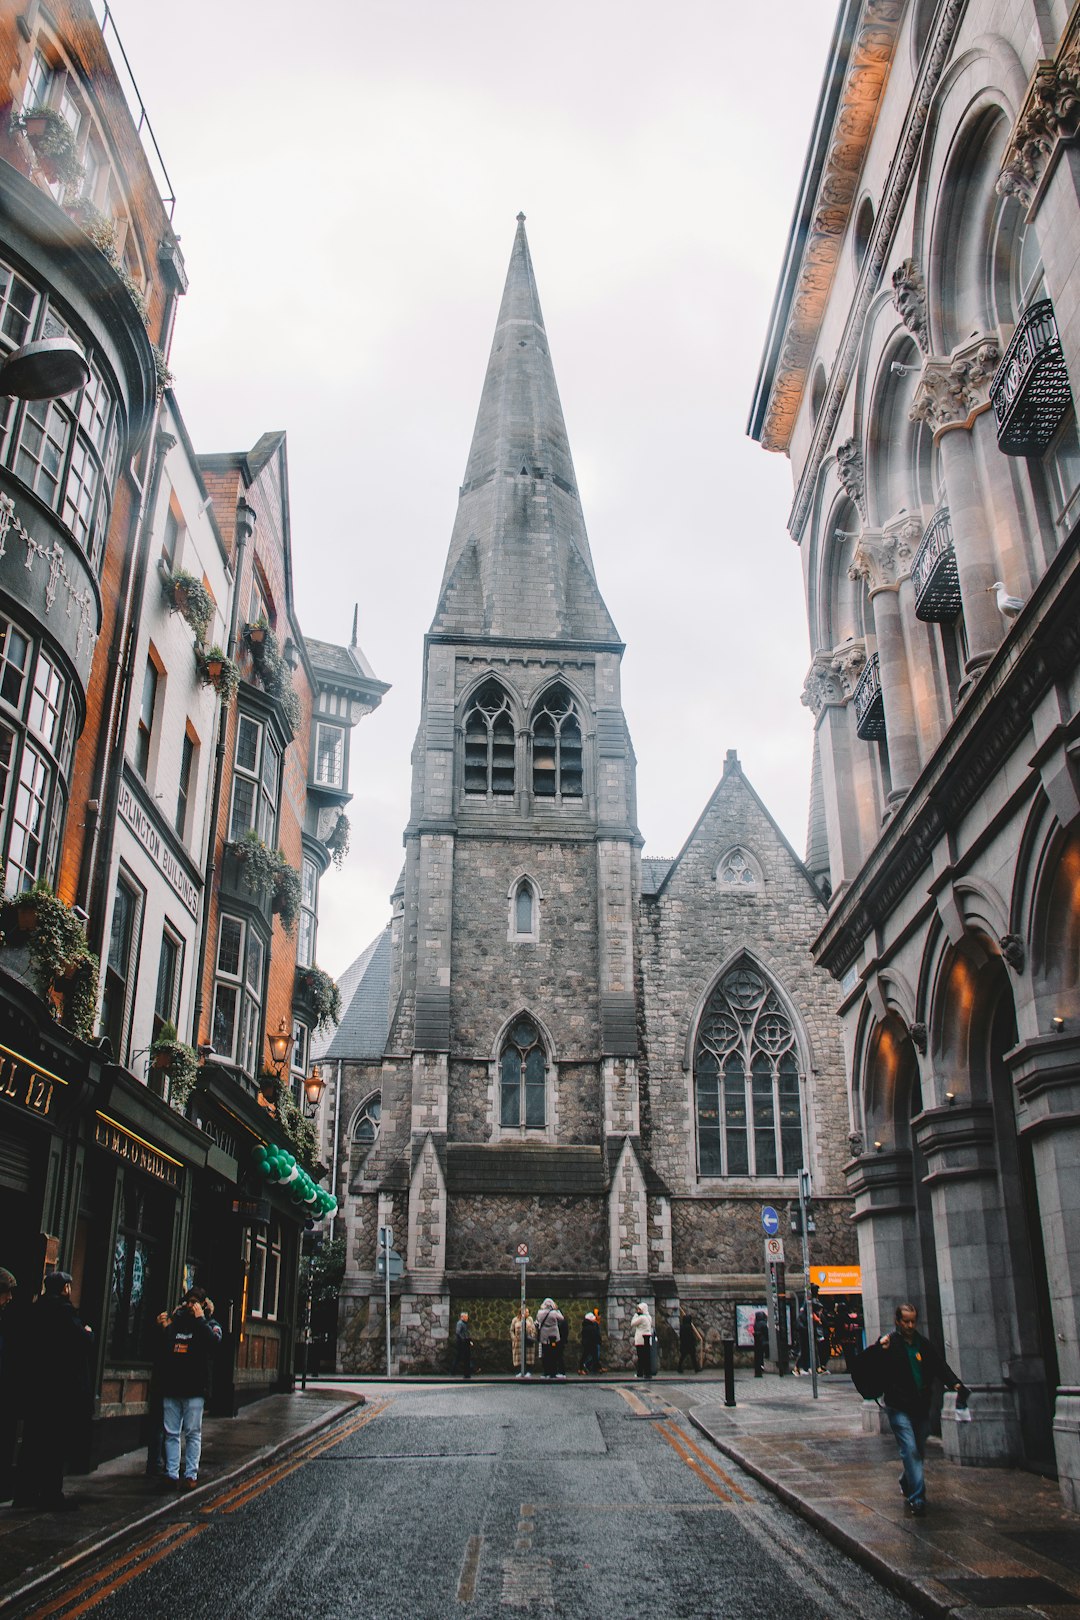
614 1060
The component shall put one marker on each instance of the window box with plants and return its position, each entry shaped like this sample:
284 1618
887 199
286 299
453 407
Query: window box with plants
177 1060
63 968
272 670
319 995
269 877
190 598
216 669
53 142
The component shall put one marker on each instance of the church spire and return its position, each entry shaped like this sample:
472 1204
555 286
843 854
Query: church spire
519 562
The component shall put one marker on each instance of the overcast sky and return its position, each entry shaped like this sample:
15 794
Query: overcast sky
347 177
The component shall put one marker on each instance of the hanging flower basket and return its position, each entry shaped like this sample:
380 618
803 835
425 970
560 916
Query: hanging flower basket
179 1061
63 968
255 633
217 670
53 142
320 995
190 598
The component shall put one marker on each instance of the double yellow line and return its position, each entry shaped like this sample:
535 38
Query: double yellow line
698 1461
95 1588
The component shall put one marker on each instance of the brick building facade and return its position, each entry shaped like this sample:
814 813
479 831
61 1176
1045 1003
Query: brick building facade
615 1061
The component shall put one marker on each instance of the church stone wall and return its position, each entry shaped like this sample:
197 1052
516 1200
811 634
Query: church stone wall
493 977
563 1234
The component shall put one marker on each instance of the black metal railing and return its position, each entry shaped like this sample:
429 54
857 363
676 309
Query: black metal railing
934 573
869 705
1030 391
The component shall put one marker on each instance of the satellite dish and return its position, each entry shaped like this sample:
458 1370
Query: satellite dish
47 369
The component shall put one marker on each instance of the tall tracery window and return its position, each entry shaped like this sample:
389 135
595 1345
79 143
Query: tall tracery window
522 1077
746 1081
556 747
365 1134
489 742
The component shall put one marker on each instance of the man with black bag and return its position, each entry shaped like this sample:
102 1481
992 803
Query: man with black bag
901 1368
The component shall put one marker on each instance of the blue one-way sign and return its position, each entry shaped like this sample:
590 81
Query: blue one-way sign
770 1220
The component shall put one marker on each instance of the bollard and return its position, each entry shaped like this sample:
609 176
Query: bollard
729 1372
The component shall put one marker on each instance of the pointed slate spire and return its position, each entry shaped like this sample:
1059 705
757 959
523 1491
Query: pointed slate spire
519 562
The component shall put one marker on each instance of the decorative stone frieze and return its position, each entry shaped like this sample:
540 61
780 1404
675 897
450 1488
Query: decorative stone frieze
1050 113
884 560
852 474
909 296
953 392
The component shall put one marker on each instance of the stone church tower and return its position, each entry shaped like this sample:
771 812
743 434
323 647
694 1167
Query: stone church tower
494 1076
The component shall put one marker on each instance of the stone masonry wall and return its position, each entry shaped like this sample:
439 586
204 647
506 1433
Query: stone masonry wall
563 1234
692 930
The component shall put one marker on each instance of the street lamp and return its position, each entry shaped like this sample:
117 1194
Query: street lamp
314 1086
46 369
280 1045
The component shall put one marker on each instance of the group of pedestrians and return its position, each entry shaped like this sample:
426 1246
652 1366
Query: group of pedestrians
47 1356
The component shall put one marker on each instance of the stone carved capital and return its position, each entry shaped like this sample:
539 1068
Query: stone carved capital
952 392
884 559
850 471
909 297
833 676
1050 113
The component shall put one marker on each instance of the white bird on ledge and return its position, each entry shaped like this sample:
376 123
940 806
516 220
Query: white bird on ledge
1008 605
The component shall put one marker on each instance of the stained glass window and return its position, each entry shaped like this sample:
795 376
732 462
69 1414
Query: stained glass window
746 1081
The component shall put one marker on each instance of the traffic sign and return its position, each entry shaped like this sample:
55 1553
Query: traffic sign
523 1251
521 1259
774 1251
397 1265
770 1220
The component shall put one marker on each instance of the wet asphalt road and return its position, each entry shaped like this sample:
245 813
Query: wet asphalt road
490 1500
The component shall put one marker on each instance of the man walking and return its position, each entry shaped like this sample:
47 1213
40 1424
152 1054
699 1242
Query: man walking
907 1366
188 1343
56 1396
463 1346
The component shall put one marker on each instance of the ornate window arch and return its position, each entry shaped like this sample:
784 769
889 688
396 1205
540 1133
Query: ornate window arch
490 742
557 754
747 1092
739 871
365 1133
523 1077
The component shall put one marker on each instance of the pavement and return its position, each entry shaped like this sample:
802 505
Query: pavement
994 1541
118 1498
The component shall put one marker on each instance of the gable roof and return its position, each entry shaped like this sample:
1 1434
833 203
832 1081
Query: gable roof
365 997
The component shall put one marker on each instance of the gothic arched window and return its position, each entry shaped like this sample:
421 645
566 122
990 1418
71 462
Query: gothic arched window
489 742
556 747
739 871
522 1077
746 1081
365 1133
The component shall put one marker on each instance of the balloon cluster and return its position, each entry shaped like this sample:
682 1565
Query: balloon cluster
280 1167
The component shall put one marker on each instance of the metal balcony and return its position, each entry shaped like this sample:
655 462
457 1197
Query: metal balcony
1030 391
869 705
933 573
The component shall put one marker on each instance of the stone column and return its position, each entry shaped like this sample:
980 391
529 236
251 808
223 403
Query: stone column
1046 1074
881 1184
951 395
977 1307
884 561
847 784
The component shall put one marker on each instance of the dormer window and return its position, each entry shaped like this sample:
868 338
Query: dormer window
557 771
489 742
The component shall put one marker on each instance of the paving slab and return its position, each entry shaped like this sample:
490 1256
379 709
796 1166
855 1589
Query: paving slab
995 1541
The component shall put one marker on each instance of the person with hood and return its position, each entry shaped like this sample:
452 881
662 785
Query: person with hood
905 1367
551 1326
519 1324
463 1346
691 1343
188 1347
761 1342
56 1395
590 1344
641 1327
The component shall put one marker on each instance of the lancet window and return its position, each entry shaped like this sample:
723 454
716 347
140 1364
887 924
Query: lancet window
556 747
522 1077
489 742
746 1081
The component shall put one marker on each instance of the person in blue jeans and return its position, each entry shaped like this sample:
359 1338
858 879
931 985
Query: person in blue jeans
188 1345
909 1366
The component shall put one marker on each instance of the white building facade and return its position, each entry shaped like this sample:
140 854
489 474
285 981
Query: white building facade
920 372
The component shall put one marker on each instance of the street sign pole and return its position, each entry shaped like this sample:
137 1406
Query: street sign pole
387 1237
811 1338
521 1260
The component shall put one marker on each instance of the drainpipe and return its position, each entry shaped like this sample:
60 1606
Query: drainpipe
97 858
245 528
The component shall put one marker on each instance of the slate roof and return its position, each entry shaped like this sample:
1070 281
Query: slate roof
516 1167
348 662
365 996
653 872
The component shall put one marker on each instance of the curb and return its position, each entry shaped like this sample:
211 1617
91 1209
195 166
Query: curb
910 1588
9 1595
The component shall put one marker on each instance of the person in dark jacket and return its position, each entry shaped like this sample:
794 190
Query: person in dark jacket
56 1395
690 1341
463 1346
188 1346
761 1342
590 1343
8 1385
907 1366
